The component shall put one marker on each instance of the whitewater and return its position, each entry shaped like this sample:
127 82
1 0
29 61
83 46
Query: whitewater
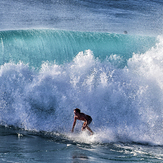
120 89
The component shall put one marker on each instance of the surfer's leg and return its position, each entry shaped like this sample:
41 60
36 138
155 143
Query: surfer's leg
89 121
84 126
90 130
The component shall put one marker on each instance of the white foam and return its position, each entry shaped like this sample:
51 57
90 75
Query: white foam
125 104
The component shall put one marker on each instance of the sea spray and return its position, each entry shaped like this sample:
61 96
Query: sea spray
125 103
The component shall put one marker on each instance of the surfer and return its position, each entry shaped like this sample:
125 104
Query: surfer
83 117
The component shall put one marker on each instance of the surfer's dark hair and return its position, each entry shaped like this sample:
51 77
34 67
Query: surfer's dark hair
77 110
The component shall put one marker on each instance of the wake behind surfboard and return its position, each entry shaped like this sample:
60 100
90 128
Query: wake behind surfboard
82 137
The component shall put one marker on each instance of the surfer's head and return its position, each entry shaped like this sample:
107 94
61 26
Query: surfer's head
76 110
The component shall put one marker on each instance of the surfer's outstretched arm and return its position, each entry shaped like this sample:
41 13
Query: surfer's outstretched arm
74 123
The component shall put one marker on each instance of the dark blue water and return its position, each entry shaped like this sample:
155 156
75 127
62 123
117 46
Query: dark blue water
104 57
136 17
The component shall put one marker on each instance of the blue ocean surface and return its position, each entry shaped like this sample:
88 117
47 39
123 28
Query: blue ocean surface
104 57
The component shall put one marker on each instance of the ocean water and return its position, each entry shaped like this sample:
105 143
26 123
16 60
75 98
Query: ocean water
104 57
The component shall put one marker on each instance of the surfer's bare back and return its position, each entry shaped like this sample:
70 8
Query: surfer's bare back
83 117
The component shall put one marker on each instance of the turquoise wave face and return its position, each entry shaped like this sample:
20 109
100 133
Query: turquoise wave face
34 47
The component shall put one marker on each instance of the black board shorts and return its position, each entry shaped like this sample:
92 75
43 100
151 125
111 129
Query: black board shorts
89 120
